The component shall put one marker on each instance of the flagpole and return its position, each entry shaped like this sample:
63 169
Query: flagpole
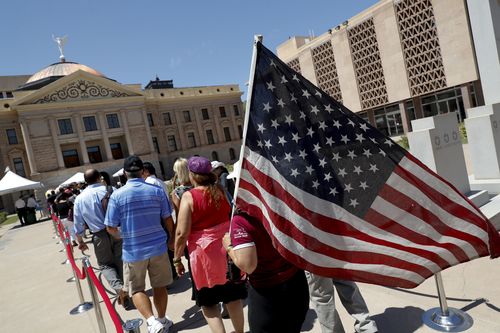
257 38
445 319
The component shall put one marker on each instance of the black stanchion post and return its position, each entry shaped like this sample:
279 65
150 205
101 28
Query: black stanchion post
95 297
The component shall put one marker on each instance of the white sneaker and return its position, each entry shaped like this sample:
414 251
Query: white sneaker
156 327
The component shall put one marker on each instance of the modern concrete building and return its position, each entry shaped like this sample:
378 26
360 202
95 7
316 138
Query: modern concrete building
68 117
396 61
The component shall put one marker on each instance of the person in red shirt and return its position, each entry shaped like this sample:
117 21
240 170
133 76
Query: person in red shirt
278 295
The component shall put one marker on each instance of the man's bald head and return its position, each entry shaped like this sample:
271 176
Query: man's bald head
92 176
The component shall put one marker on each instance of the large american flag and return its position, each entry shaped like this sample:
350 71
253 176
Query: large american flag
339 198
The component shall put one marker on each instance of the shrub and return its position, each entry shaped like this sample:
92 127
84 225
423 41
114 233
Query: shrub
3 216
403 142
463 132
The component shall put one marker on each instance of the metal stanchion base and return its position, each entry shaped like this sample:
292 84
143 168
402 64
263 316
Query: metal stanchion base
81 308
455 321
132 326
65 262
71 279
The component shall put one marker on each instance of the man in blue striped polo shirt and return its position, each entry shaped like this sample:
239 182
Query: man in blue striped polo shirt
139 208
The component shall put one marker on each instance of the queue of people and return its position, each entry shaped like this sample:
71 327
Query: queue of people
143 227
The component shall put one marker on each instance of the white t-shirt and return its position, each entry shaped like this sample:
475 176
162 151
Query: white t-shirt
155 181
31 202
20 203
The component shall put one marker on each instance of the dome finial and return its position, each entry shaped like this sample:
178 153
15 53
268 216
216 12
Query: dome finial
60 41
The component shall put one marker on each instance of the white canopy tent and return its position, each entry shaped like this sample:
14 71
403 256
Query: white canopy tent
76 178
12 182
118 173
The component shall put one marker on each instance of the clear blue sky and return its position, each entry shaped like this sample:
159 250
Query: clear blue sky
195 43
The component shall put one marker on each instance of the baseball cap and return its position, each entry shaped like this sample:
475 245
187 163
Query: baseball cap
198 164
216 164
132 163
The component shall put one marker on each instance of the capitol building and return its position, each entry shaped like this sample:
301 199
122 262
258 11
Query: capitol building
69 117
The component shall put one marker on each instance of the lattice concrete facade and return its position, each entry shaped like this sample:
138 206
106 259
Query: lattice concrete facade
396 52
326 70
420 43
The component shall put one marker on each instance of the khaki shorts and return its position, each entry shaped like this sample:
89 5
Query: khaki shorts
158 268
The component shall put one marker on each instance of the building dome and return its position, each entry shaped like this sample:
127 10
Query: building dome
61 69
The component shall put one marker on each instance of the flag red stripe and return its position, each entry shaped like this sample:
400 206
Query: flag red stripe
393 227
493 235
340 273
407 204
328 224
288 228
440 198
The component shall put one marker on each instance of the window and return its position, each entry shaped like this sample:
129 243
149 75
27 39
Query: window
227 133
191 140
94 154
150 120
11 136
172 145
19 166
113 121
6 94
187 116
90 124
236 110
232 155
215 156
70 158
240 131
65 126
210 137
156 145
116 151
167 119
222 111
204 113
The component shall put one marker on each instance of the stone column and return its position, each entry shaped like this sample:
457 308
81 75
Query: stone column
27 145
148 133
57 146
417 105
198 119
130 148
404 117
466 96
81 139
105 138
179 120
436 142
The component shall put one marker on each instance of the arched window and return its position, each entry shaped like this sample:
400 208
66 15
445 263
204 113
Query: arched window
232 155
215 156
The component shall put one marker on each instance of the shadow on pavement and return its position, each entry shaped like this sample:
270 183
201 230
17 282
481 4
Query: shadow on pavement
309 321
399 320
192 318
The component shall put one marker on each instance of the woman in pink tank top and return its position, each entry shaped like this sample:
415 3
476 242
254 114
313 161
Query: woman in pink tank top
202 222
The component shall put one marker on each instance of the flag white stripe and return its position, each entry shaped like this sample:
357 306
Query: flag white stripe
417 225
437 184
451 220
321 260
326 208
341 242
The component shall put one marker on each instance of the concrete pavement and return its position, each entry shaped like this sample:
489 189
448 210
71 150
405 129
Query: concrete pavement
36 297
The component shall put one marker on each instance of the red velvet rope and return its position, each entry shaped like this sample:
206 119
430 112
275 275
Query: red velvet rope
105 298
79 274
